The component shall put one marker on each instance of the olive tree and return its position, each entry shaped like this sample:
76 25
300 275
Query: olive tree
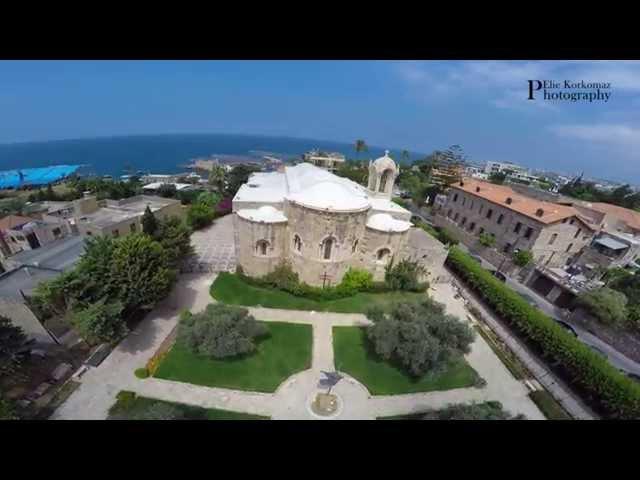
220 331
419 336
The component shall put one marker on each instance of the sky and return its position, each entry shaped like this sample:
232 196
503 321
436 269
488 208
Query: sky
413 105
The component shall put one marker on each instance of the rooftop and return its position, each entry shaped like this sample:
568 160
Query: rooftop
24 279
386 223
264 214
13 221
630 217
128 208
539 210
58 255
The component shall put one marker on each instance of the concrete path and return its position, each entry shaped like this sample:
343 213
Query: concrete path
293 398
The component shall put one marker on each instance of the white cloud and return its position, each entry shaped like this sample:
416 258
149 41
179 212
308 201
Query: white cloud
620 135
505 82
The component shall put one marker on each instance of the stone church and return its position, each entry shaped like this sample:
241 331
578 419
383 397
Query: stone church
322 224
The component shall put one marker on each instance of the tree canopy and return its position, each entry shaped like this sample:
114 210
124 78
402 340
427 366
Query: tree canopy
607 305
421 337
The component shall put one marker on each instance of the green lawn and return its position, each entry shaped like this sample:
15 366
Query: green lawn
286 351
128 404
353 356
229 288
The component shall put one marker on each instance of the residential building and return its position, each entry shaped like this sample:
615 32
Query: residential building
445 173
180 187
322 224
609 249
120 217
328 161
553 233
503 167
59 255
18 233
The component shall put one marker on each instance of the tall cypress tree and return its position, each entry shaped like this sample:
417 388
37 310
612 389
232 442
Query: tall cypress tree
149 222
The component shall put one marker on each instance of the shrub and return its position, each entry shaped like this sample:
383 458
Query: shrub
356 280
607 305
446 237
157 411
420 336
12 338
101 321
175 237
141 373
200 215
220 331
149 222
7 409
615 394
405 275
487 240
522 258
476 411
282 277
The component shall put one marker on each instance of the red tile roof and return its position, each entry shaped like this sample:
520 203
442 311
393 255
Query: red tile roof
541 211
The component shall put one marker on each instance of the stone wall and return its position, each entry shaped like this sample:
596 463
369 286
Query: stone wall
373 242
249 254
21 316
314 226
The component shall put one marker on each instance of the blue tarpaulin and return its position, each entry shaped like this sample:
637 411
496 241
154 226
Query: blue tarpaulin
35 176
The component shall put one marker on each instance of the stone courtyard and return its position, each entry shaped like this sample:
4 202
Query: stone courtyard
214 248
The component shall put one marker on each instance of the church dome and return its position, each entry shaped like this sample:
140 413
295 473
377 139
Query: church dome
266 214
385 163
331 196
386 223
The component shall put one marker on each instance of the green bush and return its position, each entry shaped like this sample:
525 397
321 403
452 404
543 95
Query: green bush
356 280
615 394
522 258
446 237
487 240
477 411
607 305
405 275
141 373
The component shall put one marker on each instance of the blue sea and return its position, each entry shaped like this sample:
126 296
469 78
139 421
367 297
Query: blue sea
165 153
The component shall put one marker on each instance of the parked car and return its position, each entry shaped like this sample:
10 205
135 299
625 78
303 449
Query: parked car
567 327
499 275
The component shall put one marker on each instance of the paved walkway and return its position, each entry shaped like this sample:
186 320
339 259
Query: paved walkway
215 245
292 399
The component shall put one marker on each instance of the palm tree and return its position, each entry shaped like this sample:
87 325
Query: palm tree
361 146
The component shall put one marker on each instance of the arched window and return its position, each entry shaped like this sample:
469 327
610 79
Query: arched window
261 247
384 179
297 243
355 246
383 255
327 247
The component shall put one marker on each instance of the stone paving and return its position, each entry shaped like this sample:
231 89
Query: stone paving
292 399
215 246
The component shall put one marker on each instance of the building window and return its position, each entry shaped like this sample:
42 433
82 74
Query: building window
577 233
449 213
553 238
383 255
384 180
572 220
489 213
500 218
327 247
464 220
56 232
455 217
89 233
518 227
471 205
569 247
480 210
297 243
355 246
464 199
481 231
455 197
261 247
528 233
132 227
115 233
564 220
472 226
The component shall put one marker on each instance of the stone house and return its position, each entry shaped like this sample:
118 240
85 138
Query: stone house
555 234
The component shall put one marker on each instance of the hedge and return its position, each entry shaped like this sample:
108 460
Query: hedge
613 393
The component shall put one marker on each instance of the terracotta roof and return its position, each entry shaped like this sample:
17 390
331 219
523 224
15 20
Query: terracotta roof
11 221
630 217
550 212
